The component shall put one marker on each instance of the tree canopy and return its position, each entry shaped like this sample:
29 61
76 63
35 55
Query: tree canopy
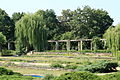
52 24
112 37
6 25
86 22
17 16
2 40
31 32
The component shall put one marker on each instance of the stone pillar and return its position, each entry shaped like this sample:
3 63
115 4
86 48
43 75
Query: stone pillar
56 45
91 45
68 45
9 46
79 44
104 43
81 47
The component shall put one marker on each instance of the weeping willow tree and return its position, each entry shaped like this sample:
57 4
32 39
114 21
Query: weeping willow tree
31 32
112 37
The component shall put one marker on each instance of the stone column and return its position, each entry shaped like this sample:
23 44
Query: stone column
79 44
81 47
68 45
91 45
57 45
9 46
104 43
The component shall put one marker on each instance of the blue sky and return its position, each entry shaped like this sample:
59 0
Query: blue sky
11 6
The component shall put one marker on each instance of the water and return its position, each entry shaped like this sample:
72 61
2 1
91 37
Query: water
35 76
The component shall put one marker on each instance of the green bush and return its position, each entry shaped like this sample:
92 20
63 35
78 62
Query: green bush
70 67
4 71
6 74
15 77
78 76
101 67
48 77
115 76
8 53
57 65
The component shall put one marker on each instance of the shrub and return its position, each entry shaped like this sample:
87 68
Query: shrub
70 67
57 65
78 76
6 74
4 71
102 67
8 53
6 64
115 76
15 77
48 77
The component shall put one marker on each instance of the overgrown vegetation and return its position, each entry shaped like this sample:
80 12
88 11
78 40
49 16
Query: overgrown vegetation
101 67
33 30
78 76
10 75
112 37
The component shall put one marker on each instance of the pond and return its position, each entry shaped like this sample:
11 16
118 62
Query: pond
35 76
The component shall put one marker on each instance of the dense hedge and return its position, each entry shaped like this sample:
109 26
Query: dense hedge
48 77
56 65
84 76
114 76
70 67
6 74
15 77
4 71
8 53
78 76
101 67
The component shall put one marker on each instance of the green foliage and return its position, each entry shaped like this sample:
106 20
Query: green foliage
6 25
4 71
2 40
115 76
48 77
15 77
70 67
57 65
84 23
67 36
17 16
31 32
6 74
101 67
95 43
112 37
8 53
50 20
83 51
78 76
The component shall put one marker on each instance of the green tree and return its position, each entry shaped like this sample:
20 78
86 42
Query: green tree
17 16
31 32
86 22
112 37
51 22
6 25
2 40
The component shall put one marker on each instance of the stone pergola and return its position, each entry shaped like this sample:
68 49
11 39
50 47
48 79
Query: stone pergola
80 43
68 42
